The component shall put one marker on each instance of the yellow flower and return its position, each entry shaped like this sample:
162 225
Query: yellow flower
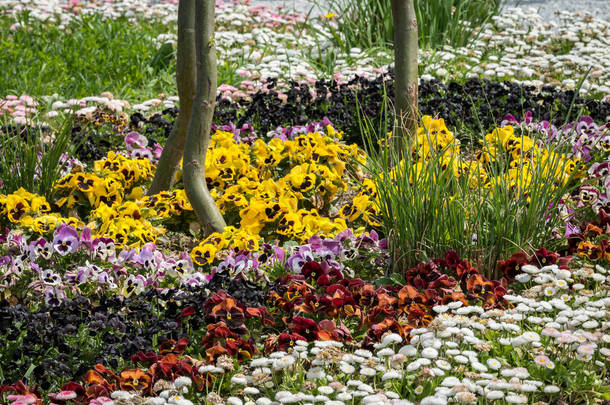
25 194
350 212
499 136
40 204
245 241
45 223
129 209
16 207
216 239
330 130
119 234
253 216
136 193
301 179
203 253
290 223
486 154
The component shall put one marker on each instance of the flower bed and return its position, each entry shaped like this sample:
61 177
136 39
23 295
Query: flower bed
232 318
309 296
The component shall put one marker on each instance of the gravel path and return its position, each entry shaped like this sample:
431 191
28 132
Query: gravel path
547 8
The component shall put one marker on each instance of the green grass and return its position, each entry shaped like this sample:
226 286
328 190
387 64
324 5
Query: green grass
89 56
33 157
368 23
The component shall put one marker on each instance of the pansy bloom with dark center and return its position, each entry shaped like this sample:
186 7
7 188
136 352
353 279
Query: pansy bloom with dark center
511 267
135 380
65 240
305 327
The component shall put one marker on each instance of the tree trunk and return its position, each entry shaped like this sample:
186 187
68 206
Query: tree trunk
198 134
186 76
405 68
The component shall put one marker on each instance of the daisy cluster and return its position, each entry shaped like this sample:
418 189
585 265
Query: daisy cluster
520 45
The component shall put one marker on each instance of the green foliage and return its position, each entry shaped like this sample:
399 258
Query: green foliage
33 157
455 23
90 55
368 23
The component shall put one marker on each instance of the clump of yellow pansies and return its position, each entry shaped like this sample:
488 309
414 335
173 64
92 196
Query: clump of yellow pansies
107 200
268 190
435 142
525 159
282 189
279 189
33 212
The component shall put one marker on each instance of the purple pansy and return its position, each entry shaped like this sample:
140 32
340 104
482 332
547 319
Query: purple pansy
197 279
142 153
65 239
133 284
179 268
134 140
85 238
103 248
40 248
49 277
53 296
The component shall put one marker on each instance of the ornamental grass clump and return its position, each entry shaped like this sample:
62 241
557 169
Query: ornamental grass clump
484 203
34 157
368 24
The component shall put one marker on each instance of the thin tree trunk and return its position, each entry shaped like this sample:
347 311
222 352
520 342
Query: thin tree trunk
198 134
186 75
405 68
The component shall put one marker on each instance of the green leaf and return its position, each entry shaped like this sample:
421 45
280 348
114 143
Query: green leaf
163 57
29 371
291 243
384 281
398 279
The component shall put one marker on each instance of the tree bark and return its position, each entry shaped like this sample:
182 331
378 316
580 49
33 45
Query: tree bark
405 68
186 76
198 134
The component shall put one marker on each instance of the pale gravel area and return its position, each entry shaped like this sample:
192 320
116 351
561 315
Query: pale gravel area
547 8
